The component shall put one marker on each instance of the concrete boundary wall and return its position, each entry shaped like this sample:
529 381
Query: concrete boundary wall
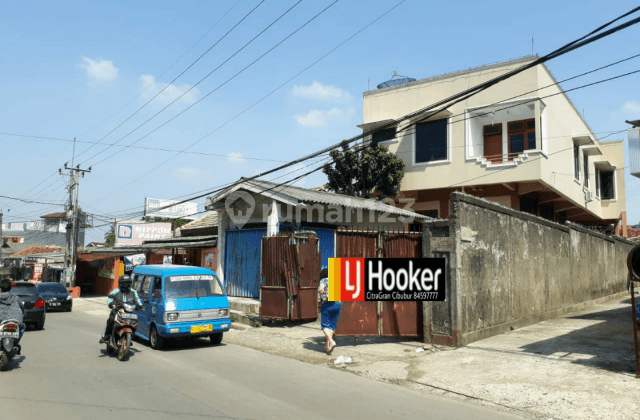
509 269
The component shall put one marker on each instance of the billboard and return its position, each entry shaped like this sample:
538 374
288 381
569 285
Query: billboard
154 207
134 232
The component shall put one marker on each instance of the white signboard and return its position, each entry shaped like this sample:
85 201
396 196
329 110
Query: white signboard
135 232
155 207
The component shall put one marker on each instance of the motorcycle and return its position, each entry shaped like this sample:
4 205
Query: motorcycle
9 335
124 327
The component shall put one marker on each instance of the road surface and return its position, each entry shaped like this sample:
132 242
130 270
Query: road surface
65 373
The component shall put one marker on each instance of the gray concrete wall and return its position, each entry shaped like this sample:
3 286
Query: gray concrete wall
510 269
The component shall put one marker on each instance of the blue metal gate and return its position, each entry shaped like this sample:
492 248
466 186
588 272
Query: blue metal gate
242 262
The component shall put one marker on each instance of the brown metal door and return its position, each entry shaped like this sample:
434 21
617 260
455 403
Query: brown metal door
387 319
357 319
290 277
309 258
401 319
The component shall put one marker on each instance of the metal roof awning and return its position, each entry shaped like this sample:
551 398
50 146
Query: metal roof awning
604 165
583 140
592 151
185 239
422 117
374 125
179 242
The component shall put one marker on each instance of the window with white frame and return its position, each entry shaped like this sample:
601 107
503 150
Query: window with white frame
576 162
586 171
431 141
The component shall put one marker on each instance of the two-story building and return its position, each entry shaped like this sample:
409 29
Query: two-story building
521 143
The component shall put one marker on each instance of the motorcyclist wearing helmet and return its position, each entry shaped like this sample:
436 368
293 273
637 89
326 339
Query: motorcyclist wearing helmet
122 294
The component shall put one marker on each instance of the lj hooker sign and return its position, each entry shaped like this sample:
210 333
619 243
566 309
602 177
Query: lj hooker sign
387 279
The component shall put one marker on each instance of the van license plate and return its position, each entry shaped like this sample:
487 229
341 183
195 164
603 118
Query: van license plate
201 328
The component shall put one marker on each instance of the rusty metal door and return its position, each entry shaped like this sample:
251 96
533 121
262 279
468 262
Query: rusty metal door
357 319
386 319
290 276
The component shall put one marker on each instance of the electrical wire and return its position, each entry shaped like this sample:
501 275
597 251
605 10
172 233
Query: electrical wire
219 86
177 77
164 72
190 89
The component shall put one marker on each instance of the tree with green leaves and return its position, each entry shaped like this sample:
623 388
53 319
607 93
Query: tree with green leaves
110 236
367 172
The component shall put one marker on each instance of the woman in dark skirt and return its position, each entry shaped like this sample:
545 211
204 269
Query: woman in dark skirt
329 311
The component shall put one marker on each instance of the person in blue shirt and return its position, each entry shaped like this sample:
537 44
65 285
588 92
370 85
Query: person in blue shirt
329 311
122 294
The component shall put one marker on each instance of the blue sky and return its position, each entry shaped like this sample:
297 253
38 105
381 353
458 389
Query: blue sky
67 66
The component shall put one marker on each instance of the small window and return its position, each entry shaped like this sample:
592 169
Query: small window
137 282
607 186
431 141
383 135
576 162
597 183
586 171
157 288
146 286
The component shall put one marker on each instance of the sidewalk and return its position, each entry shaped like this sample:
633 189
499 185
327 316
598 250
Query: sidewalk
578 366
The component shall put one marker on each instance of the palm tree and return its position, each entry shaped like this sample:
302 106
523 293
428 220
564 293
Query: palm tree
110 235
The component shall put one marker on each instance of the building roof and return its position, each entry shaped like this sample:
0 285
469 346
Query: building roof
524 59
59 215
36 249
91 244
209 220
302 195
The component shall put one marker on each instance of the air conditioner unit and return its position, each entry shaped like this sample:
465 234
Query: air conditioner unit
589 195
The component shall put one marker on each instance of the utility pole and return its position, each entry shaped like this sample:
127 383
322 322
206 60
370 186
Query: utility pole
73 228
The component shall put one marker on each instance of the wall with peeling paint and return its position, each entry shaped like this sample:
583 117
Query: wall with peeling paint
510 269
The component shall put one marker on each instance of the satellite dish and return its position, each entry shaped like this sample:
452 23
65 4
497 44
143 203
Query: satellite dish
394 74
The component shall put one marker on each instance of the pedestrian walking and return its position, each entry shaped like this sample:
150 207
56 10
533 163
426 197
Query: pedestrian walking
329 311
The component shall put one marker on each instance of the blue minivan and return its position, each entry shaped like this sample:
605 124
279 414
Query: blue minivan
180 301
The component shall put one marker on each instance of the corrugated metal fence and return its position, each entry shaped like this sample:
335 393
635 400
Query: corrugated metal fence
242 262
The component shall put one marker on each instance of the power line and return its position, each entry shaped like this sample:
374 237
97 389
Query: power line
164 72
176 78
219 86
270 93
142 147
50 176
463 95
191 88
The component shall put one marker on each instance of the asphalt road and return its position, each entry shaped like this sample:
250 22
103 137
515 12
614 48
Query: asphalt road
65 373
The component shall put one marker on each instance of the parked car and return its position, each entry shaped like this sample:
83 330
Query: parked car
180 302
55 296
35 312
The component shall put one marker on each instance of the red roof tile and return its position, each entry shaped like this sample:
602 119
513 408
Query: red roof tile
58 215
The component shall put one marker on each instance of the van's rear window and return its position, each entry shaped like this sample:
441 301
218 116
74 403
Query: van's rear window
192 286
